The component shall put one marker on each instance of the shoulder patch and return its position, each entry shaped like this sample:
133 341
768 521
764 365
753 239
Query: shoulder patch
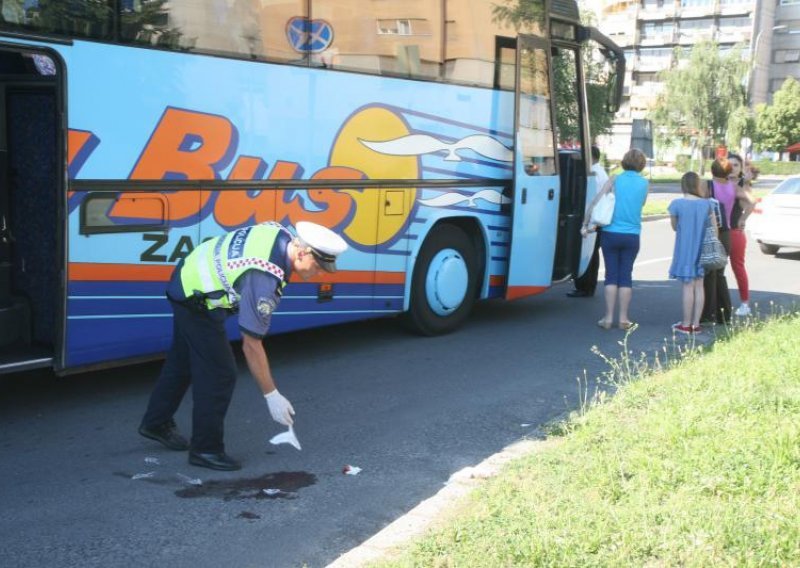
266 306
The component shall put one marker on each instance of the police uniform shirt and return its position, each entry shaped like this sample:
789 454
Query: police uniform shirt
260 295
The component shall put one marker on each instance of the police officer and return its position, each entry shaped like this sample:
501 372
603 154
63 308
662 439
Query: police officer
243 271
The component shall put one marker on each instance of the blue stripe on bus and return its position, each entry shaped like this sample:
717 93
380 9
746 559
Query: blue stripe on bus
125 337
151 290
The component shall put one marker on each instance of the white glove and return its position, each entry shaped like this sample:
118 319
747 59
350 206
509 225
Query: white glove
280 408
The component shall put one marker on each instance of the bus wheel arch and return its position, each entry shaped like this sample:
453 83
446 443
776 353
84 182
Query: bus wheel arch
447 277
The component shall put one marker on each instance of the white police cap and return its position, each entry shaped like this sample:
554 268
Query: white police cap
325 245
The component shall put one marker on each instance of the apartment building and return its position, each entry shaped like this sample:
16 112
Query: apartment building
776 48
649 31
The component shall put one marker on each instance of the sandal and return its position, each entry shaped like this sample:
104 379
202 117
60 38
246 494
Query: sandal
604 324
626 325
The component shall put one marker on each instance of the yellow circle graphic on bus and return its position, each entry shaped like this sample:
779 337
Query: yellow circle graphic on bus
379 213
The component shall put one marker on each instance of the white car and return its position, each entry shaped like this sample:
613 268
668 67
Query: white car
775 222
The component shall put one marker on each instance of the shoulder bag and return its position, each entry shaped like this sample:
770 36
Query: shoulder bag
603 211
712 252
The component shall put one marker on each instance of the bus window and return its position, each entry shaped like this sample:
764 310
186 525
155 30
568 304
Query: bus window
81 18
565 86
210 26
385 38
480 41
535 127
97 217
287 34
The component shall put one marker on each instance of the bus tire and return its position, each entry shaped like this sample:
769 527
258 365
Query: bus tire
443 286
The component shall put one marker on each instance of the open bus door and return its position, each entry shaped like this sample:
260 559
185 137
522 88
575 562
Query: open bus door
31 209
536 185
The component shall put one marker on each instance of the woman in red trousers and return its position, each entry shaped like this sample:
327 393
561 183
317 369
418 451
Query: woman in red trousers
741 175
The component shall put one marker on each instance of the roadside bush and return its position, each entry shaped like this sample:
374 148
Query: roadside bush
683 162
768 167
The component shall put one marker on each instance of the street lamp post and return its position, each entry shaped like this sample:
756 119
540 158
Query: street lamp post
754 59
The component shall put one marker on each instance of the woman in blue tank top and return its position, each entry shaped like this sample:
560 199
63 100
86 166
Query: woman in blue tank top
619 240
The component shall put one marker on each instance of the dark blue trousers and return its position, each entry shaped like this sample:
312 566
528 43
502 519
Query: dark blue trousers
200 355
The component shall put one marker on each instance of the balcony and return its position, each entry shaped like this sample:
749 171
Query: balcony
734 36
657 39
693 37
620 6
653 64
742 9
696 11
647 90
656 14
624 40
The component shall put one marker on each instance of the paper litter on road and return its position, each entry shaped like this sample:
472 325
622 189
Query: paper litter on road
153 461
189 480
271 492
147 475
351 470
287 437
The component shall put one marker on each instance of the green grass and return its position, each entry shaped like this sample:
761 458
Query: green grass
697 465
655 207
659 206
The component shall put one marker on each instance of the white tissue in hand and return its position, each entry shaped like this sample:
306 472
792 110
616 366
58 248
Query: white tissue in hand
287 437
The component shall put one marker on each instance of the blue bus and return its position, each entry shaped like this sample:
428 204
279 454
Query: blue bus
445 141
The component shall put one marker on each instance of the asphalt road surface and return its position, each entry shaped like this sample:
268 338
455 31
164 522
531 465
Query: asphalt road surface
409 411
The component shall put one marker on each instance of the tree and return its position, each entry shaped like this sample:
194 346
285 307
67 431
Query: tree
529 15
700 93
520 14
778 125
741 124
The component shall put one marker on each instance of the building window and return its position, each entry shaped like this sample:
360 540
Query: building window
79 18
787 56
395 27
729 24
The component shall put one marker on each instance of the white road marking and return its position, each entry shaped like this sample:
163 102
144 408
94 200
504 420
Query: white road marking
602 271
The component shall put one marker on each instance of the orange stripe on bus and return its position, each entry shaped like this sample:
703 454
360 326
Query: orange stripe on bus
101 272
515 292
497 280
97 272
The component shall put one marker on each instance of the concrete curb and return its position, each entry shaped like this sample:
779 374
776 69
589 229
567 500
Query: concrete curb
436 509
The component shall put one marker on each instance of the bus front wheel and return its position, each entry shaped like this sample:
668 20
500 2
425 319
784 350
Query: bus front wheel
444 282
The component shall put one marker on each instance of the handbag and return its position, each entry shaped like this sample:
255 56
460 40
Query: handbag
603 211
712 252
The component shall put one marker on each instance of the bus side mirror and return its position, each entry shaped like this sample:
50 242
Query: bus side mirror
612 100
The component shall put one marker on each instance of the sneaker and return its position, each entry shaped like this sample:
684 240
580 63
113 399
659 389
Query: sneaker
743 310
680 328
697 329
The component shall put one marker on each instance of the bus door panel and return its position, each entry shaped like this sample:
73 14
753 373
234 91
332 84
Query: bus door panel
31 209
573 157
587 247
536 184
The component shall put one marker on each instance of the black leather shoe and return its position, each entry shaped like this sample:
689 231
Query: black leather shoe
579 294
221 461
167 434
